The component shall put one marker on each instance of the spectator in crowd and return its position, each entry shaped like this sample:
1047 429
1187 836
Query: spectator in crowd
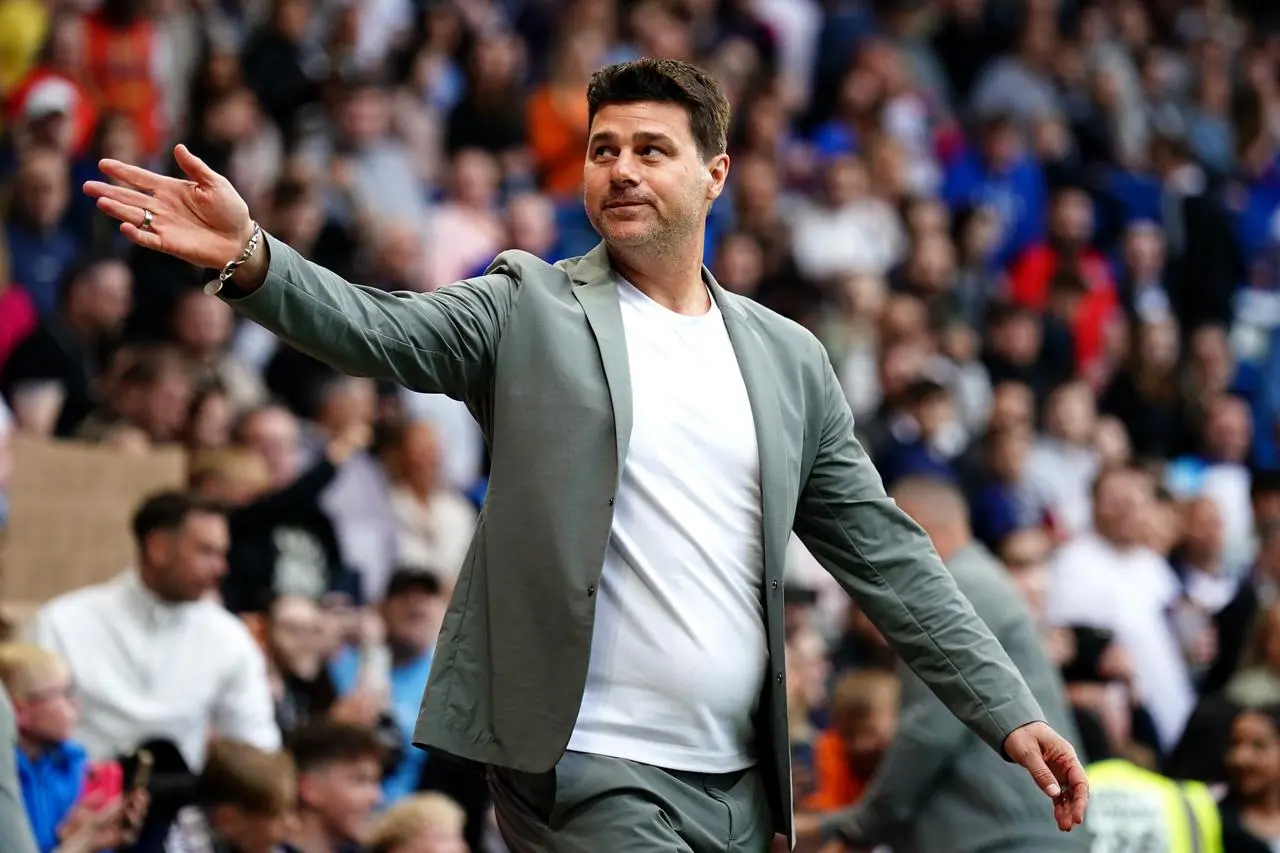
864 715
423 823
244 802
151 655
339 767
1251 818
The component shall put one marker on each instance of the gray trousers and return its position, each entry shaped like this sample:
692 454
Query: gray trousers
594 804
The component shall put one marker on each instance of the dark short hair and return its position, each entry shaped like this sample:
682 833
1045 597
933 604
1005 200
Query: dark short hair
318 745
412 579
167 511
666 81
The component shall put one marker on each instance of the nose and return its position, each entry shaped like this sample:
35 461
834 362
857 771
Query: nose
624 171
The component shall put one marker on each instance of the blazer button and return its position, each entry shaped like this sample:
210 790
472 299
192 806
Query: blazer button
591 590
774 585
780 678
610 501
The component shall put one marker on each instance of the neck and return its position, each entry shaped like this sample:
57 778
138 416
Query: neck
312 836
1264 805
31 747
669 275
401 653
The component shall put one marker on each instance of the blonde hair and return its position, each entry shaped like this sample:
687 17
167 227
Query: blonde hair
25 668
859 693
414 816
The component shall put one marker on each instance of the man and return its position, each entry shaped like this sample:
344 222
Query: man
939 789
152 657
614 648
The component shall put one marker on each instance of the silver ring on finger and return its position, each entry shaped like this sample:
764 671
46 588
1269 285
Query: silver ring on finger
147 219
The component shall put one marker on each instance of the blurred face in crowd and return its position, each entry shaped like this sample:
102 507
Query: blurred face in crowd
254 832
1002 145
296 633
188 563
1160 526
645 183
1253 756
300 221
1111 441
1072 413
1144 251
209 427
1017 338
808 668
413 620
739 264
102 297
349 402
40 191
291 18
1025 554
531 220
1120 502
1158 345
981 235
1228 430
475 178
1009 450
45 708
929 217
419 456
1071 219
167 404
1204 534
202 325
900 364
273 432
343 794
933 263
846 180
365 115
867 735
1012 404
934 413
905 318
1211 361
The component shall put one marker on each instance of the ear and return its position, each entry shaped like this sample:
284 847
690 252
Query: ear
718 169
307 790
155 547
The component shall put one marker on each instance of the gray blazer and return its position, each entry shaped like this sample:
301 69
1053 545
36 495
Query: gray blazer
939 788
537 353
15 829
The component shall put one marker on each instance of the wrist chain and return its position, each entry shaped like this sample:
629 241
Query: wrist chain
213 287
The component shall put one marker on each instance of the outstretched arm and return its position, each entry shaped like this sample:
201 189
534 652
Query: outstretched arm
441 342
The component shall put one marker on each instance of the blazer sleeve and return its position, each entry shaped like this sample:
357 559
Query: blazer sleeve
15 829
441 342
885 561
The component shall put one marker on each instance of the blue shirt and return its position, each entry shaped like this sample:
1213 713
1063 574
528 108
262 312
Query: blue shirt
408 680
51 785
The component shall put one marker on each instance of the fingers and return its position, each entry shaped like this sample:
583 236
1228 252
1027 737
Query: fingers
133 176
145 239
130 218
1041 773
124 195
1078 786
194 168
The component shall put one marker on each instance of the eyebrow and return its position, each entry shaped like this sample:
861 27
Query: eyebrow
643 137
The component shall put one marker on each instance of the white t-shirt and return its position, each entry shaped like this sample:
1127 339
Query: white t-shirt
679 653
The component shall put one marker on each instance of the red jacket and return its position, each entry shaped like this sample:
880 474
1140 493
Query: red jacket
1029 285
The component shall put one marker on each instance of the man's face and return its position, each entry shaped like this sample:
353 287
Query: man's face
413 619
190 560
274 434
645 184
41 188
344 795
1026 555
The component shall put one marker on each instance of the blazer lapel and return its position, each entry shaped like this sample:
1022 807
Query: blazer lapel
598 295
757 373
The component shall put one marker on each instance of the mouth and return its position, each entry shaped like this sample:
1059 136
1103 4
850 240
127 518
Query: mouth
622 205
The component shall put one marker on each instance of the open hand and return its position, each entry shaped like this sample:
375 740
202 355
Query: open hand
202 221
1053 764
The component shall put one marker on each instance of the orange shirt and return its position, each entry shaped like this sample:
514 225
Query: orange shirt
558 138
118 68
837 785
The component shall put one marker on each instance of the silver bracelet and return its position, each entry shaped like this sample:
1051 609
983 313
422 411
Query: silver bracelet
213 287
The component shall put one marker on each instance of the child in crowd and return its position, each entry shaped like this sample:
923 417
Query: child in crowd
52 768
864 717
245 801
422 823
339 785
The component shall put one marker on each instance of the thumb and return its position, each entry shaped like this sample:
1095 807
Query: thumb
1041 773
194 168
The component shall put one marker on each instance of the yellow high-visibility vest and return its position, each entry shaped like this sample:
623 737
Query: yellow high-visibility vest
1132 810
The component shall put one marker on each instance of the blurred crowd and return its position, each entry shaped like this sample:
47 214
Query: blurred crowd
1039 238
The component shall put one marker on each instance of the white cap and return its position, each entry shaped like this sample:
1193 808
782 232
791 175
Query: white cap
48 97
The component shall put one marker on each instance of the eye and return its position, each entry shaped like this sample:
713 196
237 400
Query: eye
601 151
651 151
